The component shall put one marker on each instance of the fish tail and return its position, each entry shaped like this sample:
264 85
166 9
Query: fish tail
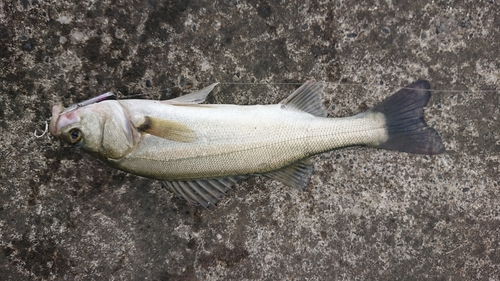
404 121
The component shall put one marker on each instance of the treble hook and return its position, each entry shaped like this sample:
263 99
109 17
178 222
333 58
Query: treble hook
44 131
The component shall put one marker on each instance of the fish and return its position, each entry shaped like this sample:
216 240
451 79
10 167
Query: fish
199 151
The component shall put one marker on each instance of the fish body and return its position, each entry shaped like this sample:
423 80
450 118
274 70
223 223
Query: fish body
200 149
238 140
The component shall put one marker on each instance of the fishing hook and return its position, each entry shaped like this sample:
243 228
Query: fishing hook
44 131
71 108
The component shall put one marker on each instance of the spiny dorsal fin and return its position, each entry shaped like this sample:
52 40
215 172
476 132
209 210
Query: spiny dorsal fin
307 98
192 98
202 192
167 129
296 175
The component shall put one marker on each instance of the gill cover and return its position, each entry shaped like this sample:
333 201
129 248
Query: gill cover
102 129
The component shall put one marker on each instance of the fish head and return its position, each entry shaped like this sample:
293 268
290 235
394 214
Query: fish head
103 129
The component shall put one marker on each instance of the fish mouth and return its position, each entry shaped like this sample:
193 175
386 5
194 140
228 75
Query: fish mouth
60 119
56 111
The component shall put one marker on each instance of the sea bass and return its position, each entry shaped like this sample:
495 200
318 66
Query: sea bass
200 150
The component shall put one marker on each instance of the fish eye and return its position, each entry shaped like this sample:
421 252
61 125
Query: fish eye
75 135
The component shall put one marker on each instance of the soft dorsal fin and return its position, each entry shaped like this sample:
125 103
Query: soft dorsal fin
296 175
167 129
307 98
192 98
202 192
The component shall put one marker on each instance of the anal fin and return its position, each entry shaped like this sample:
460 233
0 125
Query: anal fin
296 175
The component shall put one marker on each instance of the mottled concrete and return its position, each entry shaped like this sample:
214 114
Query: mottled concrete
367 214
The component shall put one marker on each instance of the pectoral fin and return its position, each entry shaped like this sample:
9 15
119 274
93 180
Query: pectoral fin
167 129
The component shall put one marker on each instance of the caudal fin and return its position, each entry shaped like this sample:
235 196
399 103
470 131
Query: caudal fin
404 117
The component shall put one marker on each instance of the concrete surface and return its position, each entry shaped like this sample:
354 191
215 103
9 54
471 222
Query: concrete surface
367 214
